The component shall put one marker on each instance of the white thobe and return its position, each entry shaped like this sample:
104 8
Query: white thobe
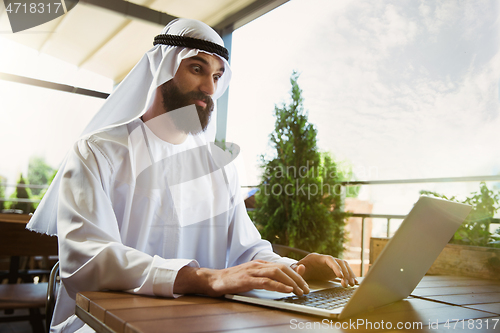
133 210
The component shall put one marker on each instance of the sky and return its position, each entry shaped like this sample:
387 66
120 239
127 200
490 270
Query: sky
396 90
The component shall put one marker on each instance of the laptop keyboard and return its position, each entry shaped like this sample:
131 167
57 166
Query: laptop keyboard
324 299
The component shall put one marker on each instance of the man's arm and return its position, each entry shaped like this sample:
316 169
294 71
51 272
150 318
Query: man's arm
246 245
256 274
92 254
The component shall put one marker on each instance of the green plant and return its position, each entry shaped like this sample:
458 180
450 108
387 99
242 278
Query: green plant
476 228
42 193
299 201
38 173
22 192
330 175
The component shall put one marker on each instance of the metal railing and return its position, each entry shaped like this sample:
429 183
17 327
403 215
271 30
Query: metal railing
401 217
4 185
422 180
364 216
388 232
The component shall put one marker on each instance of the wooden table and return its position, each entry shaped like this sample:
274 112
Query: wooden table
16 240
438 304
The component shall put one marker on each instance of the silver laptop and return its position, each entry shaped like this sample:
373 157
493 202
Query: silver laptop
394 275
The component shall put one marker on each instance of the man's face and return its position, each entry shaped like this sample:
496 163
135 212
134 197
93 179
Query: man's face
194 83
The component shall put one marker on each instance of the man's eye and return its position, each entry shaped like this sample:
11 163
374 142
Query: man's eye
196 69
217 78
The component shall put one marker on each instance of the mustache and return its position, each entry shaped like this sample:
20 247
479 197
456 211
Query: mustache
200 96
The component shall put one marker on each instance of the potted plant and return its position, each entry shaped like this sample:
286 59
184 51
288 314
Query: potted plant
473 250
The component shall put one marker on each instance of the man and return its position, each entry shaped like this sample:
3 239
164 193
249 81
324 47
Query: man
141 205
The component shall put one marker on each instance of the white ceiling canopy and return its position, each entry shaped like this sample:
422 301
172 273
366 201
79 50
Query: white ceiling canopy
110 36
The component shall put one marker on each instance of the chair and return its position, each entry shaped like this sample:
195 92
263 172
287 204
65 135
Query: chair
287 251
51 295
16 241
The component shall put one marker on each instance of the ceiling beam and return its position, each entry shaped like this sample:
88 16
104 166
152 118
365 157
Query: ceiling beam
52 85
133 11
246 15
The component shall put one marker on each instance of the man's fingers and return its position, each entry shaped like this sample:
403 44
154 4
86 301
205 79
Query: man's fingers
340 268
255 275
300 269
271 285
335 267
347 272
299 280
352 273
325 267
346 280
286 276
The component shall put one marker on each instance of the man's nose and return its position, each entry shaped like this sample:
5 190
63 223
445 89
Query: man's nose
208 85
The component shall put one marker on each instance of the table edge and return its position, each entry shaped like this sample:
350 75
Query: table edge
92 321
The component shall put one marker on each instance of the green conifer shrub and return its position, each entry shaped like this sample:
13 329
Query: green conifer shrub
22 192
299 202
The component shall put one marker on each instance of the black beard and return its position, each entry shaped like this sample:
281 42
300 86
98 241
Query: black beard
173 99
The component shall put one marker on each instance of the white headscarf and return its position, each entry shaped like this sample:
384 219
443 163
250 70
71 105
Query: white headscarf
132 98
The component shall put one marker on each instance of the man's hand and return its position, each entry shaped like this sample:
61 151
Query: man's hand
256 274
323 267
